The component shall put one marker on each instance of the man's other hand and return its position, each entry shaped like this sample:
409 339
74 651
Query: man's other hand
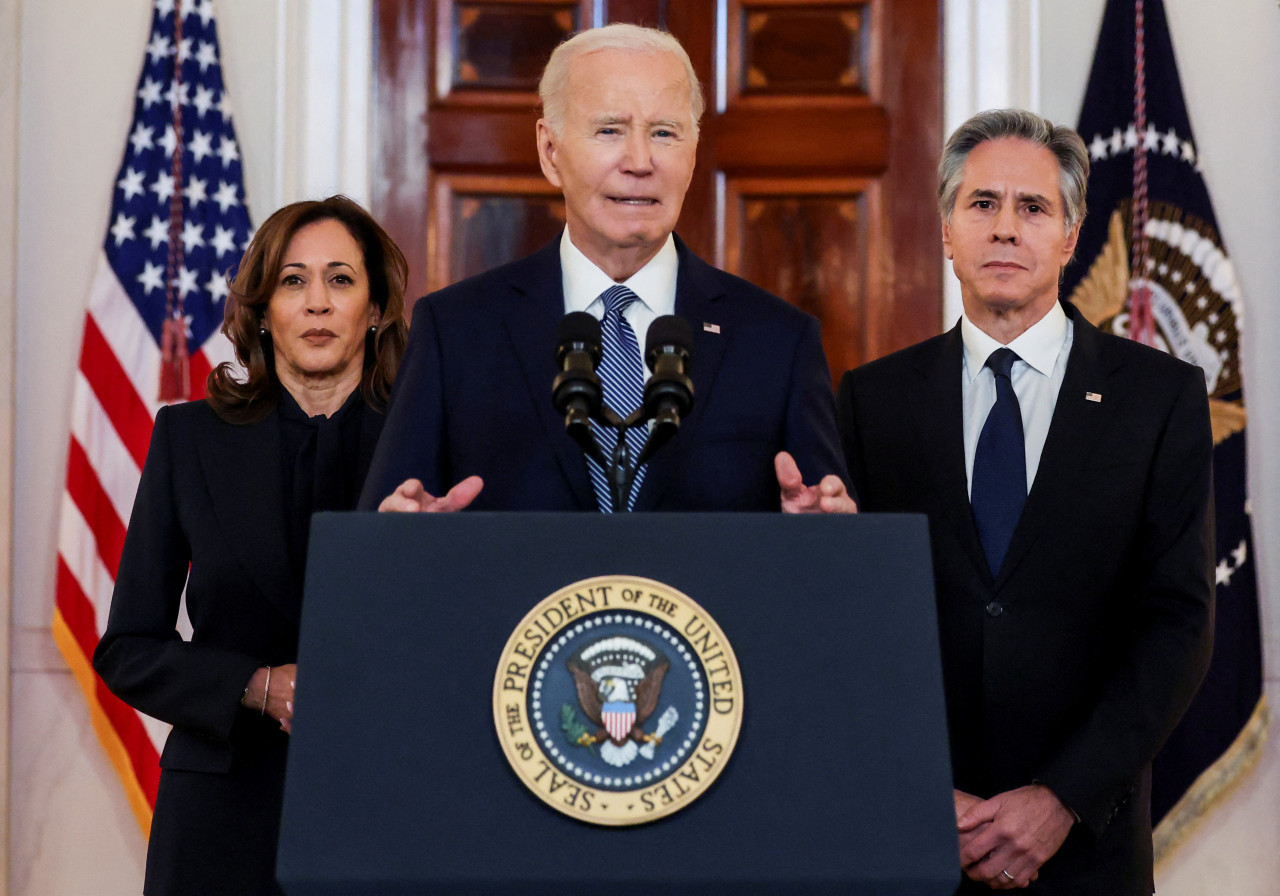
828 496
411 497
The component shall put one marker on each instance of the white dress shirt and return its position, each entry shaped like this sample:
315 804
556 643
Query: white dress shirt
1037 376
654 284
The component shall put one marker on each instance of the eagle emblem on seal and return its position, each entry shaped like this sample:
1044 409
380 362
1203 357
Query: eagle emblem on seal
619 683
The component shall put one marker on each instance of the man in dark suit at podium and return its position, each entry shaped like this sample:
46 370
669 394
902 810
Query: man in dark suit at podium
471 420
1066 476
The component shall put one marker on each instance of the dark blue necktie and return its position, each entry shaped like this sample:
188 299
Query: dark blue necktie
622 377
1000 466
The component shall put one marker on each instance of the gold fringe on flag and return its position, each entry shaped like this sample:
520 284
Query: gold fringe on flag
87 679
1214 783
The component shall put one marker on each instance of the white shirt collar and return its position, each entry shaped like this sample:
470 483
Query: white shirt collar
1038 345
655 283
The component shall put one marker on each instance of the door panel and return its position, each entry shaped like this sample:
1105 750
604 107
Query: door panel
482 221
808 239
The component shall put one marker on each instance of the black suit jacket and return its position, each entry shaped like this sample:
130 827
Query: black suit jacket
209 514
473 396
1073 665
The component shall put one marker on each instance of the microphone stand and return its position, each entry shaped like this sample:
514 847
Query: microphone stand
622 474
619 469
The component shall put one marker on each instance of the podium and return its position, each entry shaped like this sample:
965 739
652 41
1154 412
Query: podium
840 780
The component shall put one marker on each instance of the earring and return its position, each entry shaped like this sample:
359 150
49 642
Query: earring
373 329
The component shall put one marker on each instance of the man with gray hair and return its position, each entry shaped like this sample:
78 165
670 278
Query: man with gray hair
1066 476
471 420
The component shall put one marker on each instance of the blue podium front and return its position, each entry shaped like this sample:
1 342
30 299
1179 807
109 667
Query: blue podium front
839 781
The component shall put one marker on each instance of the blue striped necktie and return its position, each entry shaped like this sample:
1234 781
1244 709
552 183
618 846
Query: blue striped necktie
622 376
1000 465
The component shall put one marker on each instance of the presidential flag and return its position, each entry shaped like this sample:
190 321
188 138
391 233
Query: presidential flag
1151 265
178 224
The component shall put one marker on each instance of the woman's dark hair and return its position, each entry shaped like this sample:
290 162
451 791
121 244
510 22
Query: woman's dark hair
254 283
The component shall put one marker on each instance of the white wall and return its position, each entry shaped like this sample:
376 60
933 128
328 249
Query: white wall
8 307
69 830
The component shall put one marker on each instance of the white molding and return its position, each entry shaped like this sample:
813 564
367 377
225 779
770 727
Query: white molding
991 60
324 100
11 53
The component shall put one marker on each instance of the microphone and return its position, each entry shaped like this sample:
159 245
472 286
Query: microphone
577 392
668 395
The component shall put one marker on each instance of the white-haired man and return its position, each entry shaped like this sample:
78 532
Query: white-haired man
471 421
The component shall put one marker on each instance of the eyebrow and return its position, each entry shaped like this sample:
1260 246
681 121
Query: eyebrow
627 119
332 264
1027 198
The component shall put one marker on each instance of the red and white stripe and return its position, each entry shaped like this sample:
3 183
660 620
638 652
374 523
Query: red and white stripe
113 409
619 722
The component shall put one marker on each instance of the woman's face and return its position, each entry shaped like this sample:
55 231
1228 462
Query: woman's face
320 310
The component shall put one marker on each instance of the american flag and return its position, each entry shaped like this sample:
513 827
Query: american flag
178 225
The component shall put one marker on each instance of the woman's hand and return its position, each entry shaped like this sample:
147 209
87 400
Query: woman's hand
270 691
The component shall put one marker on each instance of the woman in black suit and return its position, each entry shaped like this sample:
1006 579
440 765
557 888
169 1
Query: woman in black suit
316 315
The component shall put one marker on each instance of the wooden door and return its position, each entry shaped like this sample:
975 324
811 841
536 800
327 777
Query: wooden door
815 175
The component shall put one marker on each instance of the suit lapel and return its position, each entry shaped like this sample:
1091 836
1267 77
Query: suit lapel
531 311
241 464
937 407
699 291
1075 428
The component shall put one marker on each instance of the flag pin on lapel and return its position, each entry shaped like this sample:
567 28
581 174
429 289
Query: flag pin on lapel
708 327
1092 396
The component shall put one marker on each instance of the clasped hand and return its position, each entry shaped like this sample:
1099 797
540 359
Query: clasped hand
1004 840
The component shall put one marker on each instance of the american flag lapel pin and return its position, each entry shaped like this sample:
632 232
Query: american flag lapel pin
1092 396
708 327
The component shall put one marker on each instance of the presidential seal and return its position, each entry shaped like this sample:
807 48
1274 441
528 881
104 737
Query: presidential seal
617 700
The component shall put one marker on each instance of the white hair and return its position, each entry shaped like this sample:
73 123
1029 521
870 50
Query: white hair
618 36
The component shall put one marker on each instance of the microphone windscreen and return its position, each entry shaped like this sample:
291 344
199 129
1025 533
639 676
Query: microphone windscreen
668 330
579 326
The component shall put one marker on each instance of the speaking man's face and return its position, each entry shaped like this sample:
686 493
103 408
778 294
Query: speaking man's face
624 155
1006 237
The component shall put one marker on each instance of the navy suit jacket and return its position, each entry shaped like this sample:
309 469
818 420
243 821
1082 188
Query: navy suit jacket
1073 664
473 396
